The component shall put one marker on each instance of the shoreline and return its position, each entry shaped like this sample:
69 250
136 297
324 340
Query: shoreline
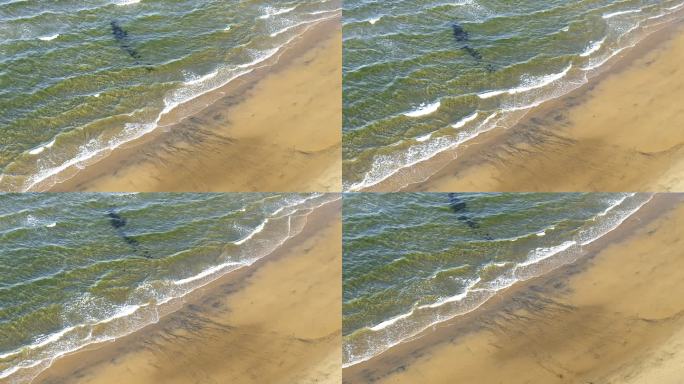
208 143
366 344
214 288
469 306
426 356
505 159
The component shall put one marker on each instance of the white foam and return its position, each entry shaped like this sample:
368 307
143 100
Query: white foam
50 37
543 253
454 298
51 225
415 155
297 25
424 137
424 109
208 272
593 47
121 313
614 224
253 233
528 84
599 63
40 149
374 19
201 79
270 12
613 14
389 322
126 2
465 120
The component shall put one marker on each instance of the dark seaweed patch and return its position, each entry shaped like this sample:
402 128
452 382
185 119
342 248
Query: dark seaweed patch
118 222
121 36
458 205
462 36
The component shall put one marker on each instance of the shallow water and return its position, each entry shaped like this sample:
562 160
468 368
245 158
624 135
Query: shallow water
78 78
77 269
422 77
411 260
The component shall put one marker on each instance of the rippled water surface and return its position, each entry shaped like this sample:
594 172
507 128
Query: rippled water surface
80 77
82 268
421 77
411 260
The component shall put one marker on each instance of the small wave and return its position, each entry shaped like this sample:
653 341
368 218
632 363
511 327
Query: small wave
297 25
424 109
49 37
270 12
201 79
455 298
134 316
209 272
41 148
389 322
528 84
593 47
374 20
253 233
465 120
424 137
126 2
618 13
396 330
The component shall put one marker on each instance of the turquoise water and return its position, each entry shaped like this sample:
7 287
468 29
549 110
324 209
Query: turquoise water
411 260
423 77
78 78
77 269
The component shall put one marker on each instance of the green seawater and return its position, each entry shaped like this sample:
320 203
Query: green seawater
79 268
80 77
422 77
411 260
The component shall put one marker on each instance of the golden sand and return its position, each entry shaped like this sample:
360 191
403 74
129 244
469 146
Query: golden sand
624 131
615 316
275 322
272 131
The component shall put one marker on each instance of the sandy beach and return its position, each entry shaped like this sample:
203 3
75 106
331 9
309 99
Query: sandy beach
613 316
276 129
620 132
277 321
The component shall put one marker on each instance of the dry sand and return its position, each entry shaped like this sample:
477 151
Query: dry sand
275 322
277 129
614 316
624 131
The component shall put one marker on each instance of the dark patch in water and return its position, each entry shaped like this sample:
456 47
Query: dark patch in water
462 36
472 52
121 36
455 203
459 206
118 222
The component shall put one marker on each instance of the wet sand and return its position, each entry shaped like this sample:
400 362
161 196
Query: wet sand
623 131
277 321
276 129
613 316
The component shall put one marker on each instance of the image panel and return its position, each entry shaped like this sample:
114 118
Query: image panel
514 288
524 96
164 96
172 288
